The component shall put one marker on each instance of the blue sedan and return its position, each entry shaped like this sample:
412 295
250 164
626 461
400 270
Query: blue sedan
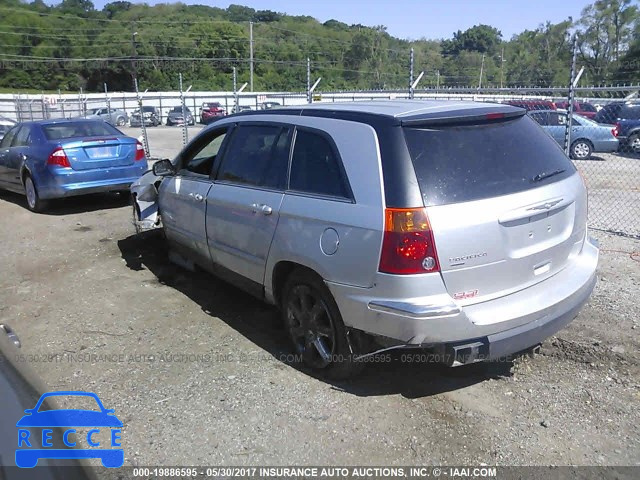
587 136
59 158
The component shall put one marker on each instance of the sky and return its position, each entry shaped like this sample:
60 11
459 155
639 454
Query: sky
415 19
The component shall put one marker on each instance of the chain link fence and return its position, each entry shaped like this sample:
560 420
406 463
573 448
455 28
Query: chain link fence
601 136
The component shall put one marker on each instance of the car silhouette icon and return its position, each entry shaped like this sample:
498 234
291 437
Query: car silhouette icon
68 419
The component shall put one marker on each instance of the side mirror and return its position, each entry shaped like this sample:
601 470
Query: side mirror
164 168
5 329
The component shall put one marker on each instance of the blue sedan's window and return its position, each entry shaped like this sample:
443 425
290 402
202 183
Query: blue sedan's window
58 131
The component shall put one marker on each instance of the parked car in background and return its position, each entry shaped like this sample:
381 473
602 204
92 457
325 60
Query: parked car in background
241 108
5 126
532 104
113 116
176 116
4 129
629 135
614 112
376 225
585 109
268 105
64 157
210 111
150 116
587 136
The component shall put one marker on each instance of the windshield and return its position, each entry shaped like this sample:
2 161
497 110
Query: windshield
456 163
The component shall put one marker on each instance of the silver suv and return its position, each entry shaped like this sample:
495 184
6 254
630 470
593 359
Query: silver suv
453 226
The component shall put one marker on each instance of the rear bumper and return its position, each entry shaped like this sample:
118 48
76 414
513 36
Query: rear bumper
67 182
502 326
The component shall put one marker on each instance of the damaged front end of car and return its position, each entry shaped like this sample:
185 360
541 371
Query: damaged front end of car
144 199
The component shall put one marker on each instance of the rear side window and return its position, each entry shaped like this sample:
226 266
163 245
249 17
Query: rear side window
315 167
587 107
256 156
463 163
59 131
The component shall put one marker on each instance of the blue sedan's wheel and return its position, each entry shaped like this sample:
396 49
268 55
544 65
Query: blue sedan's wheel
34 203
581 150
634 143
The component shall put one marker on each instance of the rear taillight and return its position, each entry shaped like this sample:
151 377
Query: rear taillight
408 246
59 158
139 152
615 131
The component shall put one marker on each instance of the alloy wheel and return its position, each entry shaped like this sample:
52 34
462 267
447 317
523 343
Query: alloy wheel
310 326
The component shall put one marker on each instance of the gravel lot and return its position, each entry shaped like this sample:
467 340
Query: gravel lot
198 371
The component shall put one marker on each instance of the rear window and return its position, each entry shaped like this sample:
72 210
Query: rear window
456 163
78 129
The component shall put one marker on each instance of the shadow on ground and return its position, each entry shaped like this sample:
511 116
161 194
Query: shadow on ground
260 323
72 205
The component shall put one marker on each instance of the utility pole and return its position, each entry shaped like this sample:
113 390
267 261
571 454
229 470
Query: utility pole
481 70
134 56
437 79
309 99
251 56
235 90
411 73
572 82
502 60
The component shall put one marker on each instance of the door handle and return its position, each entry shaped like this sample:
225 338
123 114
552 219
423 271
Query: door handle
265 209
196 196
23 157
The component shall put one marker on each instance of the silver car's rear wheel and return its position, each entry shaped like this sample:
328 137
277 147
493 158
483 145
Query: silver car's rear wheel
121 122
310 326
315 326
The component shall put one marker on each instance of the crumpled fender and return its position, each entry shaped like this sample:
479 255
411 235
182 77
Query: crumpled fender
144 195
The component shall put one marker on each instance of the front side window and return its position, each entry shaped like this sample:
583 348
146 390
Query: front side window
201 159
257 156
315 167
8 138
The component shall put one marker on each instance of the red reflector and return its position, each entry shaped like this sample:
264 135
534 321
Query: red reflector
493 116
408 246
59 158
139 152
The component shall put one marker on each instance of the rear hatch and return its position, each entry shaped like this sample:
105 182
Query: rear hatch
100 152
507 208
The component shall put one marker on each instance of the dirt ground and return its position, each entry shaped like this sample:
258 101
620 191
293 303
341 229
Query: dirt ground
199 374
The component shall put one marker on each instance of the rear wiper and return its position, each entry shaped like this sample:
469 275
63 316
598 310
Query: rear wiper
543 175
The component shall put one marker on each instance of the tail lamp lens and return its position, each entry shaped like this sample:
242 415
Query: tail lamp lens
139 152
408 246
58 158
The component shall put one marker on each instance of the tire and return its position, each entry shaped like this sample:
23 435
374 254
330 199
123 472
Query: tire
34 203
634 143
315 327
121 121
581 150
